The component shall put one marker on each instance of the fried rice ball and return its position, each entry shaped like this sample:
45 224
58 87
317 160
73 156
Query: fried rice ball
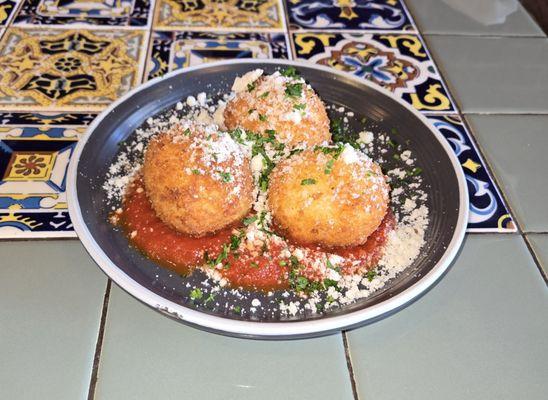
197 178
275 102
328 196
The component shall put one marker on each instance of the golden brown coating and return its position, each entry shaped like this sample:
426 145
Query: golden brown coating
288 106
197 179
328 197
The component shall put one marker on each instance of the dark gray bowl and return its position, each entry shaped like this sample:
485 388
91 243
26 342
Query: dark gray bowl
166 292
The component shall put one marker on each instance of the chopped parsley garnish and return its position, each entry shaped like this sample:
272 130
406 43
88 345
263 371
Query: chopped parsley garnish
330 265
251 110
393 143
235 241
308 181
187 132
301 283
262 117
371 274
335 152
290 72
249 220
196 294
254 264
329 166
250 86
236 134
196 171
394 131
299 106
329 282
264 95
338 133
363 120
396 157
330 299
211 297
225 176
237 309
415 171
293 89
282 263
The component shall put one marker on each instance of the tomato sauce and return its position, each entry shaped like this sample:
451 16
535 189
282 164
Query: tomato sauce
160 242
264 269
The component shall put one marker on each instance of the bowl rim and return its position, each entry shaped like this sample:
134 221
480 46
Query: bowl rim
261 329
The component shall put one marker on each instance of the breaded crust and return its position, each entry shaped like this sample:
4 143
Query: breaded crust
317 199
191 191
296 120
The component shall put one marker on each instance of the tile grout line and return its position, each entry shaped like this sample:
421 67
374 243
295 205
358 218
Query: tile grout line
535 258
99 344
349 366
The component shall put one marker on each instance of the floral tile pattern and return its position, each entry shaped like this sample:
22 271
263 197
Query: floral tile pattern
33 169
488 213
348 15
174 50
7 7
64 61
397 62
68 70
219 15
86 12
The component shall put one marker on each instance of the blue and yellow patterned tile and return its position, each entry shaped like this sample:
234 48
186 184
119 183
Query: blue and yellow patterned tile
46 119
33 172
118 13
397 62
7 10
363 15
68 69
488 212
174 50
215 15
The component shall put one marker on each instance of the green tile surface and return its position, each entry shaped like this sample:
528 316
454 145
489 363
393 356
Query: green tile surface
494 75
51 296
479 334
540 246
473 17
516 147
148 356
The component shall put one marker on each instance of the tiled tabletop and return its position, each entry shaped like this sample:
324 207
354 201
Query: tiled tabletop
478 70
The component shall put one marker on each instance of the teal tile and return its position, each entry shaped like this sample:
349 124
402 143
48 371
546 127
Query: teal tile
516 147
494 75
486 17
479 334
540 246
148 356
51 297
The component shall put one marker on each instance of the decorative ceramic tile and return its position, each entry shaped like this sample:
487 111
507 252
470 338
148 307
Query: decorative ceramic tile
33 169
174 50
86 12
203 15
7 8
45 118
488 213
397 62
349 15
68 70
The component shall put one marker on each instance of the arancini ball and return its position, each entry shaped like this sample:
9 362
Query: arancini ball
197 178
328 196
286 105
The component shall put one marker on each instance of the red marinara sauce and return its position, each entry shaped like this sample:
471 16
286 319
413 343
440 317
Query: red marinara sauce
160 242
263 269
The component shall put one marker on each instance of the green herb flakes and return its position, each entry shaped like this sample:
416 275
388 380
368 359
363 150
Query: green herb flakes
263 118
299 107
308 181
196 171
289 72
225 176
371 274
293 89
249 220
329 167
264 95
251 86
196 294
